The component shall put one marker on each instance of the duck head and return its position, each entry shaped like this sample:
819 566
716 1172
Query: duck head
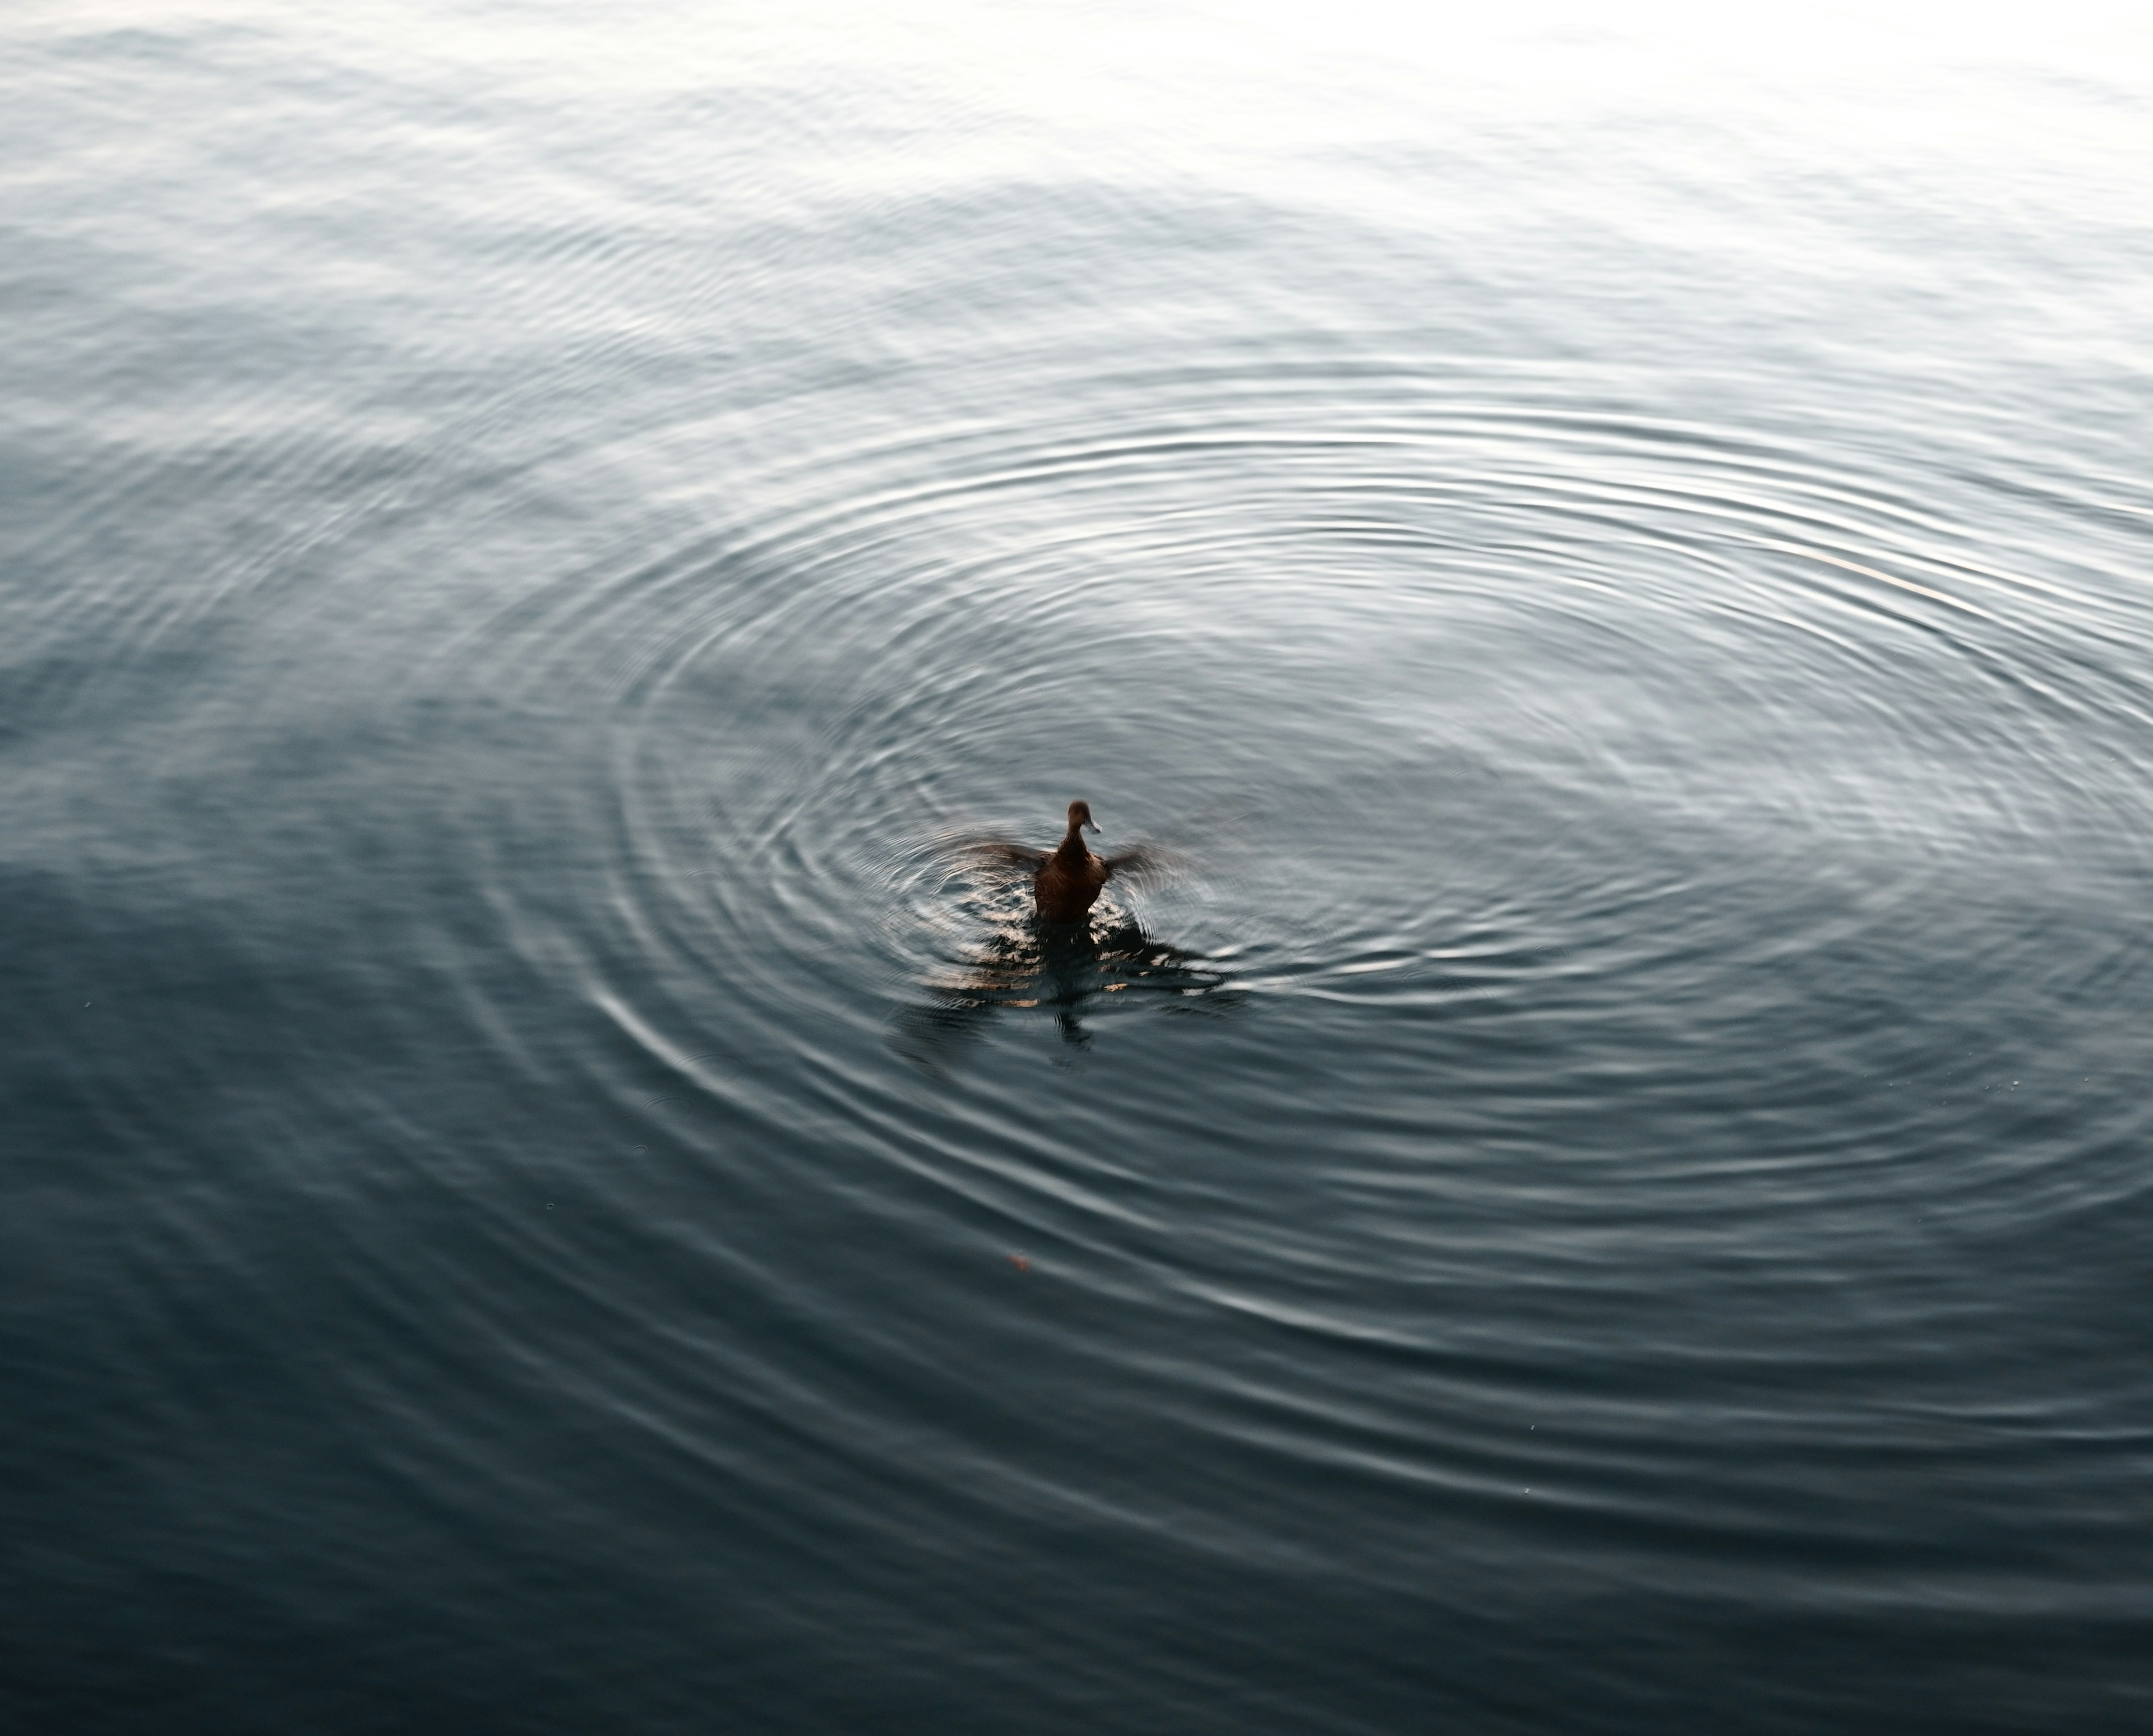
1080 815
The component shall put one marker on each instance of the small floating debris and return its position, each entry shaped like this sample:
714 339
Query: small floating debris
1020 1262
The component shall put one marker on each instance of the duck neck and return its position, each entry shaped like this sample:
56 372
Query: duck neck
1073 843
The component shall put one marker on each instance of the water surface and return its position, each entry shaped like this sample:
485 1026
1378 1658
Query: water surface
1610 1197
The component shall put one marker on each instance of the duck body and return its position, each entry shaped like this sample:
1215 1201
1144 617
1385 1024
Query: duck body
1069 879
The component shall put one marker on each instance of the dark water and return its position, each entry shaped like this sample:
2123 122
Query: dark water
1613 1197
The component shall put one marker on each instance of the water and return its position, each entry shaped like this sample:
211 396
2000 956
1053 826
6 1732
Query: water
1610 1197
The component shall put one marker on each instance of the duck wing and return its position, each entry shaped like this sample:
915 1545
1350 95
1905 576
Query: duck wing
972 851
1147 867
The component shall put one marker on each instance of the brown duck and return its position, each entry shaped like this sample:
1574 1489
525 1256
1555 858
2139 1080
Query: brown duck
1066 880
1069 879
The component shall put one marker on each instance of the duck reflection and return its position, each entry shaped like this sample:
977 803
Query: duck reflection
1064 970
1061 957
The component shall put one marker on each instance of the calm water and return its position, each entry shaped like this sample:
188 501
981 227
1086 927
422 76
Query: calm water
1613 1194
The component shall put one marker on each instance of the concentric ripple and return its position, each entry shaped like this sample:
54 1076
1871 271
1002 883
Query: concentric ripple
1643 875
1658 897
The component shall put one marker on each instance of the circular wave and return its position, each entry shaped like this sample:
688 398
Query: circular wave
1639 873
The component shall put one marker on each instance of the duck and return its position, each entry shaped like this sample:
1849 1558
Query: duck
1068 880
